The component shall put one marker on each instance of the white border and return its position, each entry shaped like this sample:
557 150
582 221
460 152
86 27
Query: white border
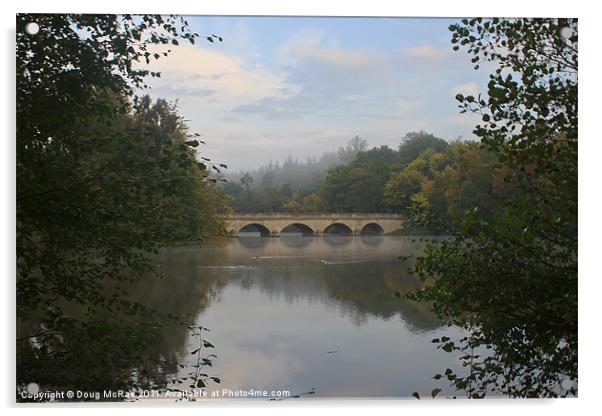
589 155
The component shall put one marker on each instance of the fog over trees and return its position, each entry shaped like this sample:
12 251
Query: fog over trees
424 170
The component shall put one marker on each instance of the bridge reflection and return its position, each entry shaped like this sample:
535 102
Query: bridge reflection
256 241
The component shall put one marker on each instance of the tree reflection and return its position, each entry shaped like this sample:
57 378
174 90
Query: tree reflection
128 349
337 240
360 288
253 242
355 275
295 241
372 239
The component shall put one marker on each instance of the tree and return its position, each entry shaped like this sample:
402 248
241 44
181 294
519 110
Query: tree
291 205
312 203
103 180
468 179
246 180
414 143
353 189
347 154
414 178
511 279
359 186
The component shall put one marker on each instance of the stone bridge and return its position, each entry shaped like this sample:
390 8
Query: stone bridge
274 224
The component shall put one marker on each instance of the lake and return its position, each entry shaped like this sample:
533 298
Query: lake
302 314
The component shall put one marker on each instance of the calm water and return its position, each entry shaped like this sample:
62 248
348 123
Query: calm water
303 313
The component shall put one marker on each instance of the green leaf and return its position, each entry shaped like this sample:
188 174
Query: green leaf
416 395
435 392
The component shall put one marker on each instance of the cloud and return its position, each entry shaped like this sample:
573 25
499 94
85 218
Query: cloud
426 52
469 88
305 94
329 81
405 105
228 119
270 108
201 72
325 70
338 57
179 91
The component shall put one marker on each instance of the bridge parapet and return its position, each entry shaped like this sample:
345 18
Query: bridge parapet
273 215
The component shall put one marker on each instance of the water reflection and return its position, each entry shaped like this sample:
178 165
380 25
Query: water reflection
372 240
182 290
337 240
253 241
295 240
277 306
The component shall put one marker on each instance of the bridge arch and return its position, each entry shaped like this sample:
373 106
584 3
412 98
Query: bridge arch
272 223
338 228
372 228
297 228
254 228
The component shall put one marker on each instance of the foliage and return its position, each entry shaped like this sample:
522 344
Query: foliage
259 190
246 181
197 379
510 278
311 203
414 143
354 189
352 180
444 184
376 180
348 153
103 179
417 175
381 179
465 176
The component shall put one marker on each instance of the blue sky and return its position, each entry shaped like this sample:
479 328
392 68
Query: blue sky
301 86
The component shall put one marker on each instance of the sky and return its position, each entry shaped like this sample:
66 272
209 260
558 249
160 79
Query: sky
300 86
